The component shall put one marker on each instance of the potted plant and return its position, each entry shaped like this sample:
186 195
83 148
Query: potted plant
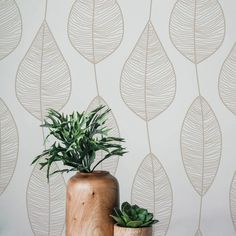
91 194
131 220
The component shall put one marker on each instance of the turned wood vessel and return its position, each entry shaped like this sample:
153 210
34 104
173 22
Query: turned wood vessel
91 198
122 231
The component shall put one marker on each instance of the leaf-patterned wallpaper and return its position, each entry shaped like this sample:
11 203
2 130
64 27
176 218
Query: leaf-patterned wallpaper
167 71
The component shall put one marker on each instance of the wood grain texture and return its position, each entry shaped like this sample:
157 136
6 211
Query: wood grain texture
111 163
121 231
46 202
152 190
148 82
91 198
197 28
95 28
43 78
201 145
9 146
227 81
10 27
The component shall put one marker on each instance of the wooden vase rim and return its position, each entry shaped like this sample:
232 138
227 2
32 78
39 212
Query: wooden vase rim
94 173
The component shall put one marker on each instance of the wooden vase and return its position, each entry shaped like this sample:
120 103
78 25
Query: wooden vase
122 231
91 198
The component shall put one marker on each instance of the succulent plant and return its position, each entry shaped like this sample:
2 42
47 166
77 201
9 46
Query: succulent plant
78 137
133 216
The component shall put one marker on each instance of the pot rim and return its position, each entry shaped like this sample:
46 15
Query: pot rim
94 173
116 225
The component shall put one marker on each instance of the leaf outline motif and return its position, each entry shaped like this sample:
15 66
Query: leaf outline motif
44 52
111 163
10 139
197 23
46 216
152 174
91 32
189 145
232 200
159 64
198 233
10 17
226 83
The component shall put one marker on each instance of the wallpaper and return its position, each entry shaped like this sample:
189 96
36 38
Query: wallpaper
167 70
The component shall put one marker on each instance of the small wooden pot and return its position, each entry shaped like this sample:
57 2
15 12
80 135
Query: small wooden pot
122 231
91 198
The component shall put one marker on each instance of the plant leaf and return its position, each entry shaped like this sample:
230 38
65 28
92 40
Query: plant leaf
152 190
197 28
201 145
46 202
118 220
9 145
95 28
227 85
148 82
134 224
232 198
111 163
43 78
10 28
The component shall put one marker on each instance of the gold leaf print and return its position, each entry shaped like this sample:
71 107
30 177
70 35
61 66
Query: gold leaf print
227 81
95 28
43 77
9 145
152 190
46 202
201 145
197 28
10 27
109 164
148 81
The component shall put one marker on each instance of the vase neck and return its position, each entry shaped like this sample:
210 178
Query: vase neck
94 173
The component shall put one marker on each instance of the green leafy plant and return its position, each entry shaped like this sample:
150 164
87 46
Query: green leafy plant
133 216
78 137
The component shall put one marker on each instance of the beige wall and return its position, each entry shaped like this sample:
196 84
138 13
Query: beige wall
167 71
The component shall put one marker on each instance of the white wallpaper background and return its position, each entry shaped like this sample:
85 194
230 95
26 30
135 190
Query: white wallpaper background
181 159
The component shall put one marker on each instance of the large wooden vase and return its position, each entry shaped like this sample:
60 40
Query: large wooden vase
91 198
122 231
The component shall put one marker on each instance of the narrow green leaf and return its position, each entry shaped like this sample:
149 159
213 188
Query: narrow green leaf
118 220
